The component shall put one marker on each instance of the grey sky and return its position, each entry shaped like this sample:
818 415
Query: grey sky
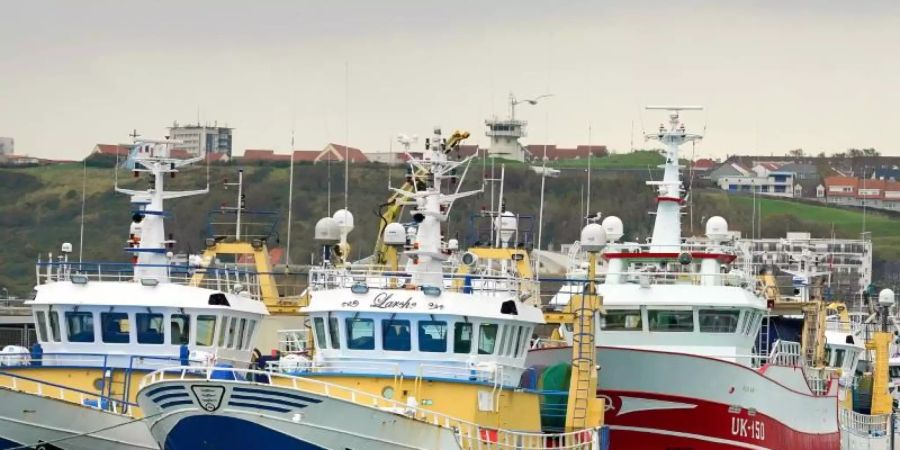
774 75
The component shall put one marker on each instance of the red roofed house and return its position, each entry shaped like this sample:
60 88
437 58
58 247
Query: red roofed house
336 152
882 194
703 164
111 149
554 153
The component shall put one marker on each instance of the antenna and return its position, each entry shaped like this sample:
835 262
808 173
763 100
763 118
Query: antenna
287 253
590 152
346 134
83 198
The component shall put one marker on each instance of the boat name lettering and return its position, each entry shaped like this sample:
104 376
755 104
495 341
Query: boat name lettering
386 301
753 429
350 304
433 305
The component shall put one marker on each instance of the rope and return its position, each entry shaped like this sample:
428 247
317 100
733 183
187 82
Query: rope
86 433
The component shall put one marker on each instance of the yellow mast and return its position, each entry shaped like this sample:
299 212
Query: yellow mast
584 409
882 402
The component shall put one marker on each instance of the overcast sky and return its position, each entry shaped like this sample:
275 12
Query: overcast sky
774 75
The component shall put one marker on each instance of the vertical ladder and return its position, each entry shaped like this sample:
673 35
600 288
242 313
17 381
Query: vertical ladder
583 381
813 339
764 336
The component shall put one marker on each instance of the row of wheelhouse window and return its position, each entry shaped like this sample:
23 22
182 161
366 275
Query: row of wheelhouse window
432 336
704 320
150 328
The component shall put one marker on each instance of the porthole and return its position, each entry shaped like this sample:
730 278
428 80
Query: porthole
387 392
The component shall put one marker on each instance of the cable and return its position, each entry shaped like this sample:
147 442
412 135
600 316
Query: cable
87 433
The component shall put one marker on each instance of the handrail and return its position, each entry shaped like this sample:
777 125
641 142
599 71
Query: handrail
332 278
62 390
864 424
469 434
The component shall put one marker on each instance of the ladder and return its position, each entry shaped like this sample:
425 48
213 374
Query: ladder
583 381
763 338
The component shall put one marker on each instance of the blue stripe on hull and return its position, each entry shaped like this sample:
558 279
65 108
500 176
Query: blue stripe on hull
215 432
4 444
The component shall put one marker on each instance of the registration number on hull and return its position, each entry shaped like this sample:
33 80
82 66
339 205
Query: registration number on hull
748 428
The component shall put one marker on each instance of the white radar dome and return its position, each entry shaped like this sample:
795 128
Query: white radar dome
394 234
593 237
327 231
344 219
717 228
612 225
886 297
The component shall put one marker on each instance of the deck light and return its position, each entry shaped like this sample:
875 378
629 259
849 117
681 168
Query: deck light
149 282
79 279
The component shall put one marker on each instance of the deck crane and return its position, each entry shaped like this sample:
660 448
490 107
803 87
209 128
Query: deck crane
390 211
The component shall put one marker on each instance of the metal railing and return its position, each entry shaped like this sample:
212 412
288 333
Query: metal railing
331 278
33 386
786 354
219 278
864 424
469 435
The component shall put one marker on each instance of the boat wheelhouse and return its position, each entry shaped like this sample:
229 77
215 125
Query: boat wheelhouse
675 344
425 354
98 324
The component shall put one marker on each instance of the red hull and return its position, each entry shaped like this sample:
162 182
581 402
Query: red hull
707 426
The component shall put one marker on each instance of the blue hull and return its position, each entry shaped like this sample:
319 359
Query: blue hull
214 432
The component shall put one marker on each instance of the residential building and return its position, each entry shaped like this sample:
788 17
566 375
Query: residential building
7 146
879 194
703 165
803 171
199 139
332 152
773 183
336 152
727 169
887 173
111 149
550 152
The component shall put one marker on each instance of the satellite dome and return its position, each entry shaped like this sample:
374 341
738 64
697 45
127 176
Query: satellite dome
886 297
593 237
506 224
717 228
394 234
327 231
612 225
344 219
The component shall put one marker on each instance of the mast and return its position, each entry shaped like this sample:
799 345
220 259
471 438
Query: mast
151 247
667 227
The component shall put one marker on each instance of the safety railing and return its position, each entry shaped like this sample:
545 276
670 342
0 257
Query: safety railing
332 278
293 341
864 424
469 435
33 386
786 354
224 279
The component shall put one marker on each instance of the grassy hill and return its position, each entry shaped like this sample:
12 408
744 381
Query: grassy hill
41 207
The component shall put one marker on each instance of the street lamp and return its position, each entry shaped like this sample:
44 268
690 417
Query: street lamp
5 293
531 101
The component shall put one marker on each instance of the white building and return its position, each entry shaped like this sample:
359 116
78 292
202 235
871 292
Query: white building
777 184
201 139
7 145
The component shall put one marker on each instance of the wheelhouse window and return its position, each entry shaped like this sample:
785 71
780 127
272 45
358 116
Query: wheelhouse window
206 330
181 329
149 328
41 319
719 320
319 324
432 336
232 330
678 321
396 335
223 331
487 338
240 337
251 325
622 320
360 334
462 337
115 327
54 325
520 332
334 333
80 326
